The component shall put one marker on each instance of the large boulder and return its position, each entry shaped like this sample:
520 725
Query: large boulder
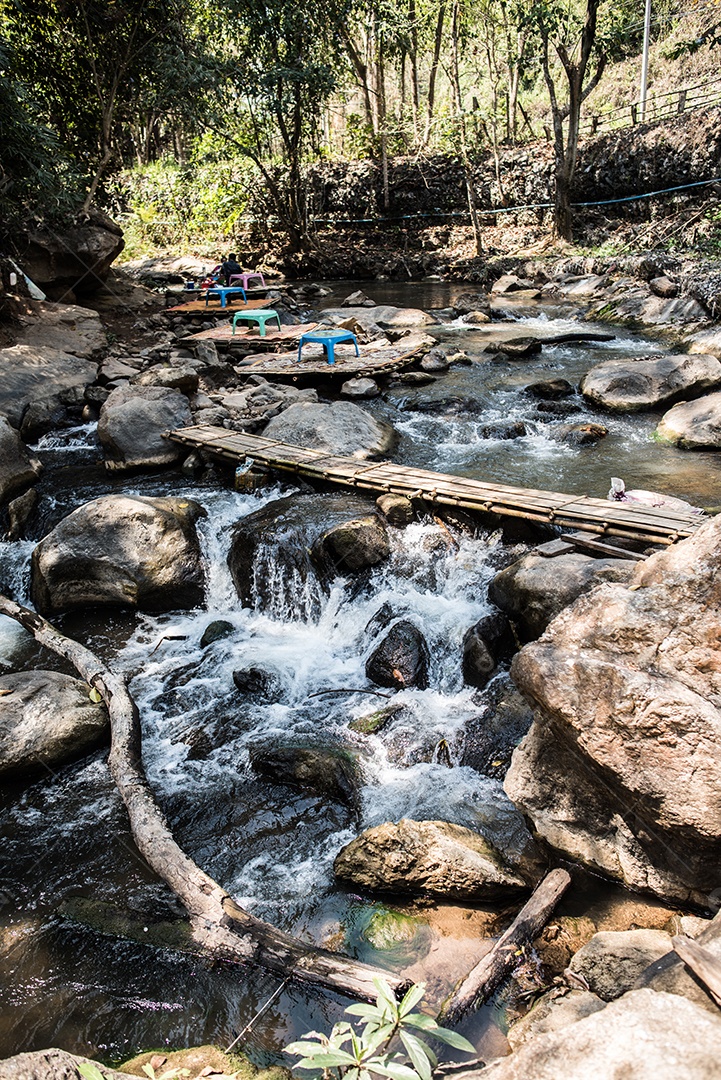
611 962
46 719
32 375
276 559
556 1009
132 422
533 590
384 315
632 385
121 550
74 260
52 1064
401 659
642 1035
621 769
64 327
693 425
18 469
432 857
354 545
338 428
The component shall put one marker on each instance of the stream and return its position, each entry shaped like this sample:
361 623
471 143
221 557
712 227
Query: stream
64 840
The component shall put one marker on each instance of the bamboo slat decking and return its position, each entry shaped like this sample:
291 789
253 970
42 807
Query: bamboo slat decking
632 522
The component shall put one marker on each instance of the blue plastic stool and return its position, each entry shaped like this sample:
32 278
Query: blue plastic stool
260 315
328 339
223 294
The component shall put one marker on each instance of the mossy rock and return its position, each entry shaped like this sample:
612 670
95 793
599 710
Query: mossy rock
375 721
387 929
197 1058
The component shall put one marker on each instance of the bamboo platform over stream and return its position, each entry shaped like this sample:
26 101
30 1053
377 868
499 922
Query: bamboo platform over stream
645 524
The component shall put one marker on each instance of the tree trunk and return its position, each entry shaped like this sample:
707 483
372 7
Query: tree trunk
217 922
434 69
489 972
467 170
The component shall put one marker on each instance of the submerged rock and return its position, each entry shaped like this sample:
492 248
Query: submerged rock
533 590
339 428
320 770
402 658
432 857
124 550
46 720
621 769
633 385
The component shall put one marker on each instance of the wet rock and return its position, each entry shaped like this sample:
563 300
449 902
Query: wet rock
360 388
353 545
181 377
503 429
663 286
52 1065
372 723
553 1011
46 720
611 962
649 382
132 422
556 408
435 360
358 299
262 400
18 468
621 768
388 930
510 283
492 734
533 590
578 434
19 511
476 318
339 428
490 640
551 389
41 417
216 631
397 509
471 302
413 378
270 552
402 658
322 771
693 425
256 682
383 315
430 857
124 550
33 375
515 348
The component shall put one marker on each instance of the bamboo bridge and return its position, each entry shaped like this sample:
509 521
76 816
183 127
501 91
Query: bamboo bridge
630 521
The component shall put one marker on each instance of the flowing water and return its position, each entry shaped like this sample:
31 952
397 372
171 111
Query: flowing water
64 840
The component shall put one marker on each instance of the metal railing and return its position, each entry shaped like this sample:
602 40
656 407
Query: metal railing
660 107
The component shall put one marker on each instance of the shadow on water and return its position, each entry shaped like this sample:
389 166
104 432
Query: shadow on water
65 839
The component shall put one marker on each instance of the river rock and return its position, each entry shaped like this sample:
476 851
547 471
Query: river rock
323 771
621 769
65 328
384 315
353 545
46 720
552 1012
578 434
183 377
19 511
611 962
401 659
125 550
693 425
510 283
533 590
257 682
468 302
271 560
18 469
397 509
476 318
132 422
663 286
360 388
216 631
435 360
52 1065
551 389
642 1035
434 857
633 385
338 428
76 259
358 299
490 640
670 974
31 375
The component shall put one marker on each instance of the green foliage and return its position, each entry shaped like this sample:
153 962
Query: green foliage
349 1054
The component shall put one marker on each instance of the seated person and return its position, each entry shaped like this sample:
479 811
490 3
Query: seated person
230 266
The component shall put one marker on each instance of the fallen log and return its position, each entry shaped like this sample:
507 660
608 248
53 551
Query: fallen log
217 923
702 962
500 961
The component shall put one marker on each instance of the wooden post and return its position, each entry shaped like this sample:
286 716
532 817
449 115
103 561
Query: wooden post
488 973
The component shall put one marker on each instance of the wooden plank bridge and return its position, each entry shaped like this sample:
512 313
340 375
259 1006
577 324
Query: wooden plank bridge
603 517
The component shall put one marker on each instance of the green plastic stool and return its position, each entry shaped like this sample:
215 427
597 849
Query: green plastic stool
260 315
